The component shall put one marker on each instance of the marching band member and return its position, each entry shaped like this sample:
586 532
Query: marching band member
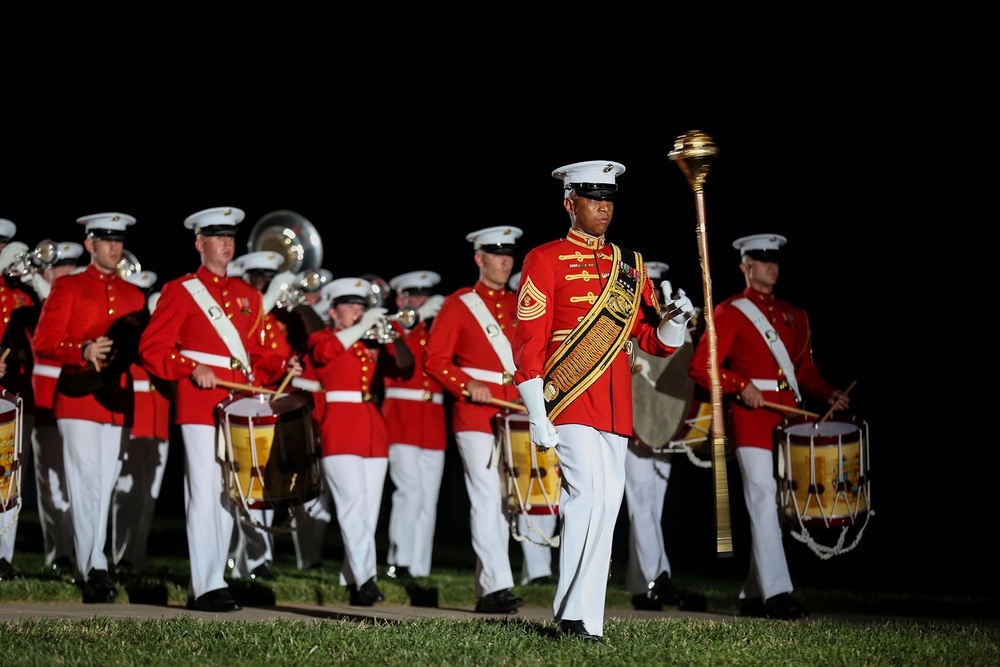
310 519
414 413
47 445
581 299
647 470
251 553
12 300
353 432
77 329
755 366
472 361
209 327
144 459
536 568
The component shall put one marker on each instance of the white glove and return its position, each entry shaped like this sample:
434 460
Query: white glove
38 283
353 334
10 253
542 432
279 284
430 307
672 327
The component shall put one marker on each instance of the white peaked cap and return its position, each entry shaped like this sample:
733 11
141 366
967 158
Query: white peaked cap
347 287
595 179
414 280
655 270
265 260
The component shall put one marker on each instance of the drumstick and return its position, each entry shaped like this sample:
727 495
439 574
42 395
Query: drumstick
244 387
501 403
830 411
788 408
6 351
284 383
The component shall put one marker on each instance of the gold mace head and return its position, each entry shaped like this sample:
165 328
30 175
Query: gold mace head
693 151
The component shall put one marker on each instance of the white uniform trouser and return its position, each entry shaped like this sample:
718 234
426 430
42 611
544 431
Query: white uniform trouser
207 509
309 521
646 478
593 482
356 485
537 529
17 488
768 568
251 545
416 473
92 454
490 531
53 502
134 499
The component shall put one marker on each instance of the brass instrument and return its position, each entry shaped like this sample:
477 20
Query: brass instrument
26 261
128 265
290 235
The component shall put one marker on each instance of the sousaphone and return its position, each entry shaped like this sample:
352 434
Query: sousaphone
291 236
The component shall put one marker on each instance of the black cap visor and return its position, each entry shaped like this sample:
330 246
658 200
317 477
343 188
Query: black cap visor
107 234
350 298
598 191
762 255
498 248
216 230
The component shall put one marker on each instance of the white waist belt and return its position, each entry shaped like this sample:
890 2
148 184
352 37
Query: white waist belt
307 384
770 385
414 395
47 371
347 397
493 377
140 385
216 360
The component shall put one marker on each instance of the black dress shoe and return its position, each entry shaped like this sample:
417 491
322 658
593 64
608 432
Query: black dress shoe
263 573
63 565
752 607
7 571
542 581
99 588
219 600
366 594
784 607
578 630
124 567
399 572
666 593
499 602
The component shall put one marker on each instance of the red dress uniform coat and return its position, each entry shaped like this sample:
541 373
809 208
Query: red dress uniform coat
81 307
152 409
743 354
559 284
414 422
276 339
348 427
458 341
19 360
178 323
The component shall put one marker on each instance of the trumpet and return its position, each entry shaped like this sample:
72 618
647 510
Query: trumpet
383 332
26 261
293 293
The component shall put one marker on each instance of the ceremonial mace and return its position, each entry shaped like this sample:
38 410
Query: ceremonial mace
692 152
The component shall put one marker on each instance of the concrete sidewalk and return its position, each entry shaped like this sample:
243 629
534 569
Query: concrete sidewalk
16 611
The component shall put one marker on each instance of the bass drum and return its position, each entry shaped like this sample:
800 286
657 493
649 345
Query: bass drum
662 392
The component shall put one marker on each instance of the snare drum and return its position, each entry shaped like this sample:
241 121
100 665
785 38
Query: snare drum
272 454
10 450
530 480
825 470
